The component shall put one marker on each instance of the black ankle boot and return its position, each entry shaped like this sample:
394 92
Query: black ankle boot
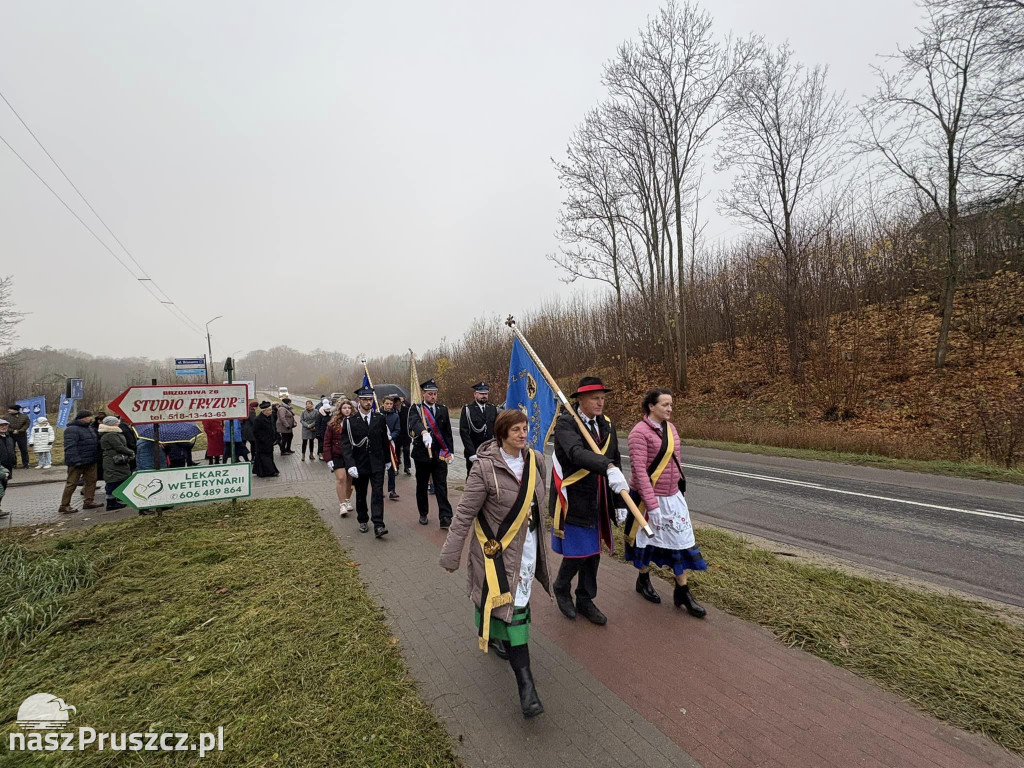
683 599
646 589
529 702
500 648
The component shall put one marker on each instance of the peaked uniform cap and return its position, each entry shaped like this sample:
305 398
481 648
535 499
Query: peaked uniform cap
589 384
364 392
481 386
429 386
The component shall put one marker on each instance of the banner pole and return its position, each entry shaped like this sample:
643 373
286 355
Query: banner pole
511 323
366 371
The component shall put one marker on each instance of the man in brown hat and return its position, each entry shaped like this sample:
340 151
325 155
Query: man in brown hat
585 491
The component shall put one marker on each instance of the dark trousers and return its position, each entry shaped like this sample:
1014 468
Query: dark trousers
435 470
586 569
285 442
241 452
392 473
21 440
406 461
310 442
375 482
469 467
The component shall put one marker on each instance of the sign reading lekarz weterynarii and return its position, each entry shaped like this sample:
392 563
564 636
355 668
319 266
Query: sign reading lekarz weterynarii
185 485
160 404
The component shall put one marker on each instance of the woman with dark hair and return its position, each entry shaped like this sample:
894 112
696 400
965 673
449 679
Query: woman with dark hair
501 505
658 486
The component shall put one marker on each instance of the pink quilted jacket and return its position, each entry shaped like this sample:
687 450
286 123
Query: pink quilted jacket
644 442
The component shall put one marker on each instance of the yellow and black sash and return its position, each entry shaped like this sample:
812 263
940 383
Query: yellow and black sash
664 455
561 504
495 591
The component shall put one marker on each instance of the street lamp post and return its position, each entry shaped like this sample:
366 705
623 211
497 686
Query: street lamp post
209 348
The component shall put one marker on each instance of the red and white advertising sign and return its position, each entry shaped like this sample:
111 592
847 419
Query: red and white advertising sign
165 403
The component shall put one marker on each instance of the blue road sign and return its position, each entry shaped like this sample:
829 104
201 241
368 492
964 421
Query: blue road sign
190 371
76 389
190 362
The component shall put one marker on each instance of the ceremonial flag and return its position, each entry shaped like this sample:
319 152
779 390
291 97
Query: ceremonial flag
529 391
366 383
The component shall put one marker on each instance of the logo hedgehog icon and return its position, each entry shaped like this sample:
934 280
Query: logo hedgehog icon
44 712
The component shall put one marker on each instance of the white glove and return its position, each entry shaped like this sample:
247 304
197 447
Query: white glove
616 479
427 440
353 472
330 465
473 457
620 514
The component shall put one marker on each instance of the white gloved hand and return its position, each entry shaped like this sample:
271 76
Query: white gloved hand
620 514
353 472
473 457
616 479
427 440
330 465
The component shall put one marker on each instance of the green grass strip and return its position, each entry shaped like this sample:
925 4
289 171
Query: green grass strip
246 616
952 658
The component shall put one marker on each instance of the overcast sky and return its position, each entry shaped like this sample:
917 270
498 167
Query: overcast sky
354 176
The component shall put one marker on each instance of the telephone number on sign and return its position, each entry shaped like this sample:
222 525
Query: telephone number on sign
197 415
204 494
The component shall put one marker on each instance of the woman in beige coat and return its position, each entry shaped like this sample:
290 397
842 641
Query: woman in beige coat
500 514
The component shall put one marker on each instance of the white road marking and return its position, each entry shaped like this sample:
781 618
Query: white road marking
818 487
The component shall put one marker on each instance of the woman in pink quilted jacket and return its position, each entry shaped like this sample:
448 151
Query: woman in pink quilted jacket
658 486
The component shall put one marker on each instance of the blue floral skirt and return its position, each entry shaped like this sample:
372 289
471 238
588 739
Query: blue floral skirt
678 560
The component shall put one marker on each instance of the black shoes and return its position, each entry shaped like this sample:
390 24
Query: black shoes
683 599
380 530
646 589
393 496
500 648
565 604
529 701
423 519
408 471
446 524
113 504
590 612
363 527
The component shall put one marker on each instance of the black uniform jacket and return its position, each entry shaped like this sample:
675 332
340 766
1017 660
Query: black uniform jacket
365 447
573 453
476 427
416 427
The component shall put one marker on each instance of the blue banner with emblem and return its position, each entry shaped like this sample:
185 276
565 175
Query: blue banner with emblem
64 411
530 392
33 407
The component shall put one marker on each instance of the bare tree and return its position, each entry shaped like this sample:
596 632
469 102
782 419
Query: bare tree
927 122
9 317
784 138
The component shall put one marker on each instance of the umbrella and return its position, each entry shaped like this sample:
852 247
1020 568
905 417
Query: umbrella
177 432
383 390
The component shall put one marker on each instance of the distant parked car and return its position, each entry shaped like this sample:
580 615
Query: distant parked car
282 392
335 396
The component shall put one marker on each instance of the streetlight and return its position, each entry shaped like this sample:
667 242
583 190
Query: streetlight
209 348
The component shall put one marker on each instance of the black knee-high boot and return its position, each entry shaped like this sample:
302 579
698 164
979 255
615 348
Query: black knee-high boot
529 702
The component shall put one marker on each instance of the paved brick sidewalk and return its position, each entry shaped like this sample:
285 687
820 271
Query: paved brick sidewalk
718 692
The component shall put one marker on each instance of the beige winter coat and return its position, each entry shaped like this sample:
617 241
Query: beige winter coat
493 487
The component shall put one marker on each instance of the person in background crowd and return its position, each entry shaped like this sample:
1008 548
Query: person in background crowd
233 433
41 439
214 429
179 454
366 449
583 509
98 418
405 439
81 453
500 510
394 422
657 481
285 425
8 456
476 422
131 439
117 458
431 451
266 438
308 421
323 416
19 424
248 434
335 458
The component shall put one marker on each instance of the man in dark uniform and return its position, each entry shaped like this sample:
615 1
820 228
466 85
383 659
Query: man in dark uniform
431 451
584 495
476 424
365 448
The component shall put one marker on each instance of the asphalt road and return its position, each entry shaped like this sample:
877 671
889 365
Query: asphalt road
963 534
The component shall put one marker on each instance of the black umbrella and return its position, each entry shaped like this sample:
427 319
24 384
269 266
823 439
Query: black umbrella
383 390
